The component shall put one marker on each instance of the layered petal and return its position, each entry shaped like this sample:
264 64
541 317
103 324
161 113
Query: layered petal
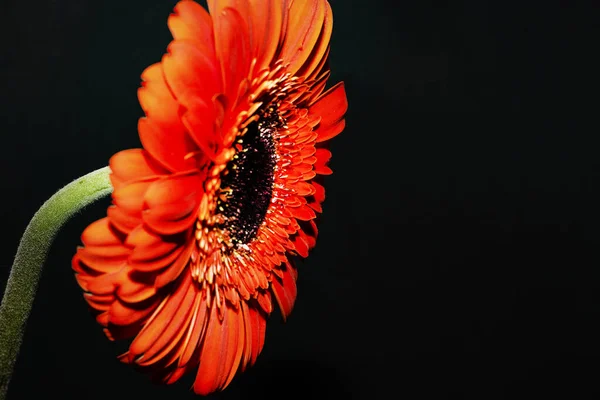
132 165
191 22
304 25
331 107
267 27
206 219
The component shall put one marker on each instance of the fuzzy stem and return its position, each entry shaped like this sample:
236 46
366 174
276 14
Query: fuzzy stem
31 255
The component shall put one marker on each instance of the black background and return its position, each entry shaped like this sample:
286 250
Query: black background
459 248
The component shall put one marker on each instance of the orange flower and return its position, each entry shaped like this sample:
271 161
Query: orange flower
205 219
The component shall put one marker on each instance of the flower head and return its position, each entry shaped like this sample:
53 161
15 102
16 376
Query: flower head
207 217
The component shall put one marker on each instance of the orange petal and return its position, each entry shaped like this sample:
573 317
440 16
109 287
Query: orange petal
192 22
105 259
121 313
285 291
331 107
133 164
169 147
315 61
258 324
303 212
170 219
234 356
105 283
157 101
301 245
323 157
162 134
196 333
264 300
135 286
199 120
171 273
175 189
122 220
267 19
233 50
305 22
130 197
175 374
247 354
318 85
161 319
301 188
173 202
151 251
221 350
100 233
190 73
171 336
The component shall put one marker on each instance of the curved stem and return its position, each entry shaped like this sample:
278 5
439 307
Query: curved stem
31 255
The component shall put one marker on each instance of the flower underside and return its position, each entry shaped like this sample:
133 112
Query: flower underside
207 218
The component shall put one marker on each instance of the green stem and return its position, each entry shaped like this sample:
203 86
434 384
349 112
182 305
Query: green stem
31 255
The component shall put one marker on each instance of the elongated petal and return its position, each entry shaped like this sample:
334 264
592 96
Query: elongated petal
190 21
100 233
233 50
190 73
172 156
305 22
160 320
172 333
122 313
172 203
284 290
133 164
221 351
315 61
267 19
331 107
136 287
197 328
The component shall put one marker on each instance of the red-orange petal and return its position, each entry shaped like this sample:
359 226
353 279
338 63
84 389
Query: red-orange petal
221 350
285 290
173 332
130 197
160 320
100 233
133 164
172 203
305 22
157 101
135 286
104 259
149 247
190 21
190 73
122 220
167 147
323 157
258 322
314 62
232 45
175 269
198 324
267 18
122 313
331 107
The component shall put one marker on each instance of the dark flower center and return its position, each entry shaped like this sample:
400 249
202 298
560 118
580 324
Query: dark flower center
247 181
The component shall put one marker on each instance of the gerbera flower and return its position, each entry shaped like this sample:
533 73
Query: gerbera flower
207 217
